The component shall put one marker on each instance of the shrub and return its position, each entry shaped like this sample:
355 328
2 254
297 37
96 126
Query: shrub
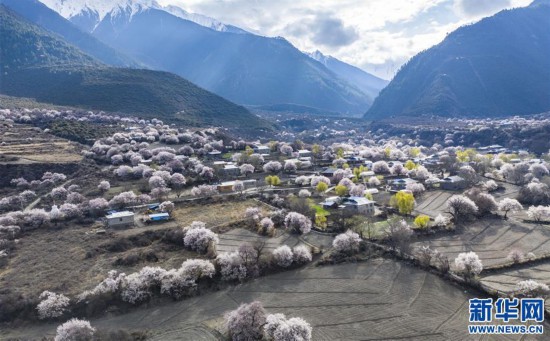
516 256
282 256
531 288
272 167
199 238
441 221
52 305
403 201
304 193
538 213
75 330
347 243
175 284
232 266
297 223
253 215
509 205
104 186
246 322
302 254
109 285
469 264
167 206
422 221
137 287
425 255
399 235
442 262
279 328
461 207
272 180
267 227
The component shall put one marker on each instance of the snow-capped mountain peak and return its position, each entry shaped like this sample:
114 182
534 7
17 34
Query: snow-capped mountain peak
71 8
99 9
318 56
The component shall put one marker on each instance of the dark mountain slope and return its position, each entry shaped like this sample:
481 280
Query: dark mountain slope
496 67
36 12
24 45
36 64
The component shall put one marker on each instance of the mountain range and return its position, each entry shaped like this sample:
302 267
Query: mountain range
499 66
103 54
38 63
246 68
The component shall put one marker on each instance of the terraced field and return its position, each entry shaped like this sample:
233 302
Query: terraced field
506 280
231 240
492 239
377 300
26 145
508 191
433 203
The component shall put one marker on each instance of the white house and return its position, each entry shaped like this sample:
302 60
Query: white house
263 150
231 170
304 153
120 219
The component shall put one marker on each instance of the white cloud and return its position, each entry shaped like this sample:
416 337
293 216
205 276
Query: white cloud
377 35
483 7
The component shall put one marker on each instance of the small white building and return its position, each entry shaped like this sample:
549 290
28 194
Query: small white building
231 170
367 174
220 164
304 153
120 219
262 150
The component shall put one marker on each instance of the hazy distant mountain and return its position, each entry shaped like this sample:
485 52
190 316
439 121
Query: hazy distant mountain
36 63
498 66
245 68
38 13
364 81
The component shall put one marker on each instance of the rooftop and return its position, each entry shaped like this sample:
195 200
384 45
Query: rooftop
357 201
121 214
159 215
453 178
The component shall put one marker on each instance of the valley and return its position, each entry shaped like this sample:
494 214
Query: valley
176 171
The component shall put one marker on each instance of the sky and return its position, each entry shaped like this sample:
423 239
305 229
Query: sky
375 35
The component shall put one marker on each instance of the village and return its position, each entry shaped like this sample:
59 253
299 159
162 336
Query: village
153 197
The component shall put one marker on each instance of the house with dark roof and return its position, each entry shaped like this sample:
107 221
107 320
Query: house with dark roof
359 205
452 183
401 184
329 172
